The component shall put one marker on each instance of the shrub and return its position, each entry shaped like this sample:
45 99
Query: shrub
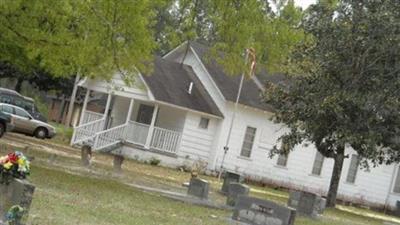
154 161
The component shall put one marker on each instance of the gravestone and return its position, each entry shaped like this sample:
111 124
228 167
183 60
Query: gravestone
117 163
198 188
86 155
307 204
230 177
262 212
396 211
18 192
235 190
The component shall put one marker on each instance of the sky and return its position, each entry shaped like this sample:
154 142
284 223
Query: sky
304 3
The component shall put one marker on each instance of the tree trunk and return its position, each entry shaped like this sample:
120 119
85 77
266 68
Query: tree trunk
72 101
18 85
335 179
61 110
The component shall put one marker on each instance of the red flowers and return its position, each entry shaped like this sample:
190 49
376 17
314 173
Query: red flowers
13 158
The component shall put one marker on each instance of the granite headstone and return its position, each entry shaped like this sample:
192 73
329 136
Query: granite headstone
230 177
306 203
18 192
262 212
235 190
198 188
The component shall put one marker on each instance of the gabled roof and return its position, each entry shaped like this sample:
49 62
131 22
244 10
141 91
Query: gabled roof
228 85
169 82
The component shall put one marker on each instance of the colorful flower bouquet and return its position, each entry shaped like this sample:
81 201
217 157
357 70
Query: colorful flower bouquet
13 165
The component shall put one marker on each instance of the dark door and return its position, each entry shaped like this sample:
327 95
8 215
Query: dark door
145 114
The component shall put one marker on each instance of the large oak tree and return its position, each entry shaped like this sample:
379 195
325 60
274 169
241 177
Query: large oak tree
346 90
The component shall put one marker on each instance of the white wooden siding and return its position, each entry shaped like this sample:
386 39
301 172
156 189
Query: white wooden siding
120 110
197 142
371 187
118 86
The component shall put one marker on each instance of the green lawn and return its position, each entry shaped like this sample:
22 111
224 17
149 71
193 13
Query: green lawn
64 134
69 194
62 198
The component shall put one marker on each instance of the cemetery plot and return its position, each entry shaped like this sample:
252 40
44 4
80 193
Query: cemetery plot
262 212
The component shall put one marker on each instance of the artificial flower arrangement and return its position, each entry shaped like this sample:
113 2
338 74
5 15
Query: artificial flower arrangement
14 215
14 165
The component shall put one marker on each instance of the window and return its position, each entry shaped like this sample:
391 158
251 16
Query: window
318 163
7 109
204 123
396 188
351 175
21 113
5 99
282 160
248 141
145 114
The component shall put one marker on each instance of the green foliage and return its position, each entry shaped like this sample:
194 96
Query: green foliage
154 161
95 38
345 93
99 38
231 27
64 134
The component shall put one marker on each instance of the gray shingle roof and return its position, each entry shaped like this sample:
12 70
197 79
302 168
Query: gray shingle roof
228 85
169 82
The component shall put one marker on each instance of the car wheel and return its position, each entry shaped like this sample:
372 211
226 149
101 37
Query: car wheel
41 133
2 129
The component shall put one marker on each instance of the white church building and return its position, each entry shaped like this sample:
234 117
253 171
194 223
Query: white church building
182 112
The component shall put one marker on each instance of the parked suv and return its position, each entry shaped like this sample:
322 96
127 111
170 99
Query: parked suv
14 98
25 123
6 123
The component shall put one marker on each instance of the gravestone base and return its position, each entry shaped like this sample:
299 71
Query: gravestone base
117 163
18 192
262 212
198 188
86 155
307 204
230 177
235 190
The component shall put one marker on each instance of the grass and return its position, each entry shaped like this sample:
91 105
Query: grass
64 134
62 198
69 194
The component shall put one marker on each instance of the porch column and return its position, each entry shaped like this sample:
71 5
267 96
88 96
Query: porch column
151 128
106 121
107 106
84 106
128 117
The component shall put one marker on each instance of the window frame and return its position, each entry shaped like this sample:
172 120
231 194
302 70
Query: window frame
243 151
351 178
145 113
315 170
282 158
9 107
207 123
27 116
396 184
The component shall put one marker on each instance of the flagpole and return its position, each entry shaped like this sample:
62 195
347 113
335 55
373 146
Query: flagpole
226 147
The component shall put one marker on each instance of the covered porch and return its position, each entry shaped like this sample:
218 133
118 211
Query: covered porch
125 119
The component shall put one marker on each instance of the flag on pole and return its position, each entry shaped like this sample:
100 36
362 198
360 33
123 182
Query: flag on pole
252 60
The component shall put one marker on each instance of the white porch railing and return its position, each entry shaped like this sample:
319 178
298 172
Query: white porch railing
87 131
110 137
165 140
133 132
89 116
137 132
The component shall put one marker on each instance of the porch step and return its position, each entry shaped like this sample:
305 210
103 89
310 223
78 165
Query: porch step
111 148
